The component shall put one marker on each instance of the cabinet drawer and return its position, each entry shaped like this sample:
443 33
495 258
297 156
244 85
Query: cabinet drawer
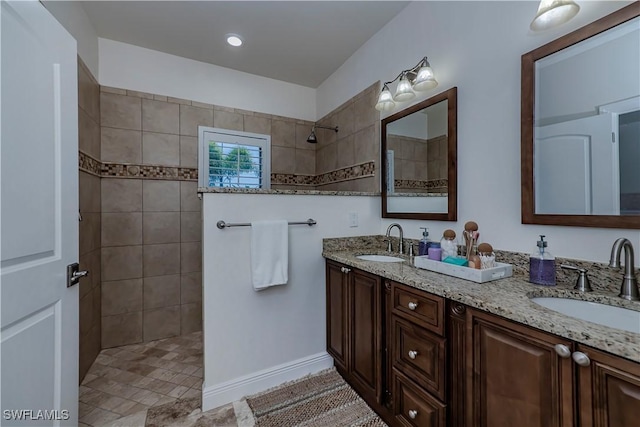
420 355
415 407
419 307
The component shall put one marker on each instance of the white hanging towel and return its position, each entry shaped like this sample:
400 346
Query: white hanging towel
269 253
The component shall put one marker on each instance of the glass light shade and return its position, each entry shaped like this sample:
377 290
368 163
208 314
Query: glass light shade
385 100
552 13
404 92
425 79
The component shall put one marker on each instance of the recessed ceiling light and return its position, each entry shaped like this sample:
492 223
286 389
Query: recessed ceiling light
234 40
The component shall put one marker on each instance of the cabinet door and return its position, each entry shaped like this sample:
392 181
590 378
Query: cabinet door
515 377
337 324
366 332
609 390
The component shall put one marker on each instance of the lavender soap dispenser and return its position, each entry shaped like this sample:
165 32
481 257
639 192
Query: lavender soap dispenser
542 265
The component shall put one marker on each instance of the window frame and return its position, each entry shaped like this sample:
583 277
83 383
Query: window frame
253 139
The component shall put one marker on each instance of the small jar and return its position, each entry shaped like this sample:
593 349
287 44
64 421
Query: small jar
448 244
487 257
435 252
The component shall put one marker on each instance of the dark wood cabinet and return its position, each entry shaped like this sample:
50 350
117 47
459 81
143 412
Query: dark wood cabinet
515 377
365 307
518 375
420 360
337 311
355 334
609 391
418 352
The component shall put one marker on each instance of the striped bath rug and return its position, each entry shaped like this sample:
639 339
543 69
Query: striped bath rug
322 399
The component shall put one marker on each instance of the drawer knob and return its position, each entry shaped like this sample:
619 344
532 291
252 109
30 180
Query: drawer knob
581 359
345 269
413 414
412 305
562 350
412 354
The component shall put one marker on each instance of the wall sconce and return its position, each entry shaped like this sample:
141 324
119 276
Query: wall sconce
416 79
552 13
312 136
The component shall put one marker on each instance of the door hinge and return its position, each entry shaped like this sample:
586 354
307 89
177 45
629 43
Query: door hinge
613 137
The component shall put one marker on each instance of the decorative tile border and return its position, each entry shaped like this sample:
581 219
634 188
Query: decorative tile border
351 172
122 170
116 170
292 179
431 185
88 164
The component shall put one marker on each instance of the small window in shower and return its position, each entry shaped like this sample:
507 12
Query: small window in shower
233 159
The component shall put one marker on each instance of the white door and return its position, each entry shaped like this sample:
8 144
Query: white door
39 222
577 167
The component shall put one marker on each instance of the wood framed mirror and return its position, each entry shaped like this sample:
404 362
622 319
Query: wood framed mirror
580 126
419 160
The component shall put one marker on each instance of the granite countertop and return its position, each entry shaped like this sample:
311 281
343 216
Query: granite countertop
509 298
289 192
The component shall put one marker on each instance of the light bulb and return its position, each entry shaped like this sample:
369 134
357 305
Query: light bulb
552 13
425 79
404 92
385 100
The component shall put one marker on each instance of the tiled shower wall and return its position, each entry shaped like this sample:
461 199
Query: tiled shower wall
355 148
420 165
151 221
89 227
151 250
151 217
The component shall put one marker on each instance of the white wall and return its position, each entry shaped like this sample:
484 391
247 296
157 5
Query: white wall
73 17
131 67
413 126
256 340
417 204
477 47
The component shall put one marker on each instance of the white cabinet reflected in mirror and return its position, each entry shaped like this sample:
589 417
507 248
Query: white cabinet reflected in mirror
581 126
419 160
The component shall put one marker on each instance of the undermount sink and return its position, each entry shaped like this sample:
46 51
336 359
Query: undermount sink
602 314
380 258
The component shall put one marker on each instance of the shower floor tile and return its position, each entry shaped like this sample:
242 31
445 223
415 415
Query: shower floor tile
124 381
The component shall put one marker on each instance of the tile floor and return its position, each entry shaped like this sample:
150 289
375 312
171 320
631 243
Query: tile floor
127 381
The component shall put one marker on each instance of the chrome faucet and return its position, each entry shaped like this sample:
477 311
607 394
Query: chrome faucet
629 289
401 245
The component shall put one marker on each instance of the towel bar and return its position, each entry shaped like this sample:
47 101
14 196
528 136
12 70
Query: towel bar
221 224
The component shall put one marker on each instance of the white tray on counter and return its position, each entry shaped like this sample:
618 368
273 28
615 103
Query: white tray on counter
500 271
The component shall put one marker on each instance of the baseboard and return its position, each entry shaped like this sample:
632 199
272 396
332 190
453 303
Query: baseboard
230 391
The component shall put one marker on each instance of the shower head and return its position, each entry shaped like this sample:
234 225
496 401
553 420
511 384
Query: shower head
312 137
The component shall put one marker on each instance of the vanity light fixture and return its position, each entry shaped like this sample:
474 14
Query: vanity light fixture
552 13
312 137
233 40
418 78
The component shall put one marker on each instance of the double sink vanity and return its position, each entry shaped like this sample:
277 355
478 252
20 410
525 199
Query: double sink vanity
425 349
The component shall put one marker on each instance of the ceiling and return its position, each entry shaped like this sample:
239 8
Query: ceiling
301 42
